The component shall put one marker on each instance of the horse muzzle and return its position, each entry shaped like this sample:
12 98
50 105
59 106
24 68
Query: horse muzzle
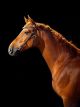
13 51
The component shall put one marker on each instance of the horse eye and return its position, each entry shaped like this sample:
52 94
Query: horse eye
27 32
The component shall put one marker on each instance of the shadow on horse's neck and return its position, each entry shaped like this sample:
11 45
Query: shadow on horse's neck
54 46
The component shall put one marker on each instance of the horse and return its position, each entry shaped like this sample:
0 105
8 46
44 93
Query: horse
61 56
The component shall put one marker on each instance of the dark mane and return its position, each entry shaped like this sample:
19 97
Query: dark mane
60 38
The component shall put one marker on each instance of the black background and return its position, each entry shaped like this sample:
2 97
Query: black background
26 79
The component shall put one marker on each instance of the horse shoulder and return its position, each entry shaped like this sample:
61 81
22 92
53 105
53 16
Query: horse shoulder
66 79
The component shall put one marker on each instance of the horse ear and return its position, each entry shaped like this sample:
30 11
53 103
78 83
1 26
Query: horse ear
25 19
31 20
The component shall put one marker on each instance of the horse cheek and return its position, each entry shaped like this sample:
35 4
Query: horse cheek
30 43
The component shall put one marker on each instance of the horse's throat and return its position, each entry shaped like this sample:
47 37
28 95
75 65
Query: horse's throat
50 54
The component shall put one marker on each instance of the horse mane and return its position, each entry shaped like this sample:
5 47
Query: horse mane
70 47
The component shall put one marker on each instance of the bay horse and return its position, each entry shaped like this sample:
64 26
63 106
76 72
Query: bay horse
61 56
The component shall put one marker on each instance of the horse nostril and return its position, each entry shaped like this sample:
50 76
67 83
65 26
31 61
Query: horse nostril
10 50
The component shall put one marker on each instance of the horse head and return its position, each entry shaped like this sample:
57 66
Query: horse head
26 39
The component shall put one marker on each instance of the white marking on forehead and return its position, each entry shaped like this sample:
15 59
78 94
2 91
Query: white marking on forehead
25 29
27 25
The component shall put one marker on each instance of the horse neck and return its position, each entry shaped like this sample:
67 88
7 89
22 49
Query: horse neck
53 49
48 49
